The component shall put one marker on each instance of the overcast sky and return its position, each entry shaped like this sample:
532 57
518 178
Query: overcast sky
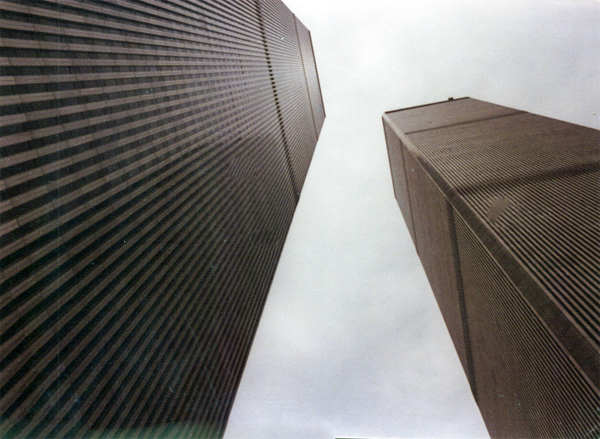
351 342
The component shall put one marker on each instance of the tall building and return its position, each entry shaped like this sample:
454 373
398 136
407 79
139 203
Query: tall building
153 153
503 207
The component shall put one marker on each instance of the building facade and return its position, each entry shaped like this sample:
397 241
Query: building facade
503 207
153 153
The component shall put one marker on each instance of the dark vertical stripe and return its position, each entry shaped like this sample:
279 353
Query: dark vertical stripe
464 318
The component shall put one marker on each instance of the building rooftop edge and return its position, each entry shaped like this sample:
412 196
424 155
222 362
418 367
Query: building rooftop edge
427 105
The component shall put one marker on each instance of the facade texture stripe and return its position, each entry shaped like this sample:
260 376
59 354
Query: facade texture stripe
464 317
148 183
524 217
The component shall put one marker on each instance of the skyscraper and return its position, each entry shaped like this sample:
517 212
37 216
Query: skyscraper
153 153
503 207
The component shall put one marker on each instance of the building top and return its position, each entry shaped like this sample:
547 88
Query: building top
438 115
528 185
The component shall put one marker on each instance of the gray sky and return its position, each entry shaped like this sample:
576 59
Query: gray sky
351 342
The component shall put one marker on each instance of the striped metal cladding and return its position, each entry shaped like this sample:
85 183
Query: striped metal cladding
527 383
399 180
148 183
525 211
312 78
293 99
432 219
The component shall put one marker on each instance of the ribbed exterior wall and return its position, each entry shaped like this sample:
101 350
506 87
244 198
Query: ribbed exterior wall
524 254
148 181
312 78
293 98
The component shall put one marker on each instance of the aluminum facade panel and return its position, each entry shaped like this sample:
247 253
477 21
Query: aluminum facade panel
525 204
527 384
297 122
147 189
396 153
432 217
312 77
545 191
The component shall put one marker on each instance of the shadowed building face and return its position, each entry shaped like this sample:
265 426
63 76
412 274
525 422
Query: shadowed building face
503 208
152 157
